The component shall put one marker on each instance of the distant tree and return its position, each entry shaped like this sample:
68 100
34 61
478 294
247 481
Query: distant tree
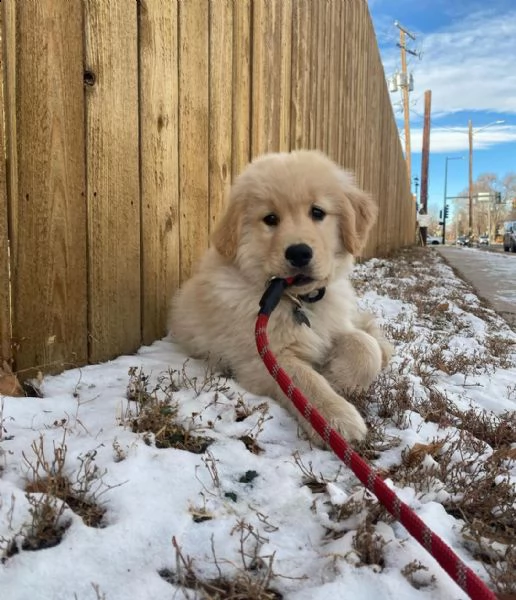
509 187
434 228
487 215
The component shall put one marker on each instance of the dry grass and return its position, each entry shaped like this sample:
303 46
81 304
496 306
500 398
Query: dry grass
52 490
470 467
415 573
250 580
369 545
80 491
155 411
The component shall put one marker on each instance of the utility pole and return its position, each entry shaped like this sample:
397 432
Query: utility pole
406 105
471 133
470 186
425 160
405 88
445 199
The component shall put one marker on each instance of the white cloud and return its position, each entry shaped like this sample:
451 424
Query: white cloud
468 66
456 140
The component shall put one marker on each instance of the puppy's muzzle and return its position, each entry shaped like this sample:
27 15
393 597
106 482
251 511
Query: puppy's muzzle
299 255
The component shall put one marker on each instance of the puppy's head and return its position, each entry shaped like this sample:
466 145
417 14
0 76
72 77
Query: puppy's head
294 214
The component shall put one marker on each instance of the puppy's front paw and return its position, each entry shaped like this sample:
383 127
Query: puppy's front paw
345 419
350 423
354 362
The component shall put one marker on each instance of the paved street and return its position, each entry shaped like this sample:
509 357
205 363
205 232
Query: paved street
492 274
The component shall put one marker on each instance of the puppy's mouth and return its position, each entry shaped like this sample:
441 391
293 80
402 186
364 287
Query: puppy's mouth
301 280
304 284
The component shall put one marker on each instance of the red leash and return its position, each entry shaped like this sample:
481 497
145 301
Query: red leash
449 561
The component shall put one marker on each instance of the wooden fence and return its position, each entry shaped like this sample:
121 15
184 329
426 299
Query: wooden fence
125 122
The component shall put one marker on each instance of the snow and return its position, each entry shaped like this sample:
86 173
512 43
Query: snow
227 505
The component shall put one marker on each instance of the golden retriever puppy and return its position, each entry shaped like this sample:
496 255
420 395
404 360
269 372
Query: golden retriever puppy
289 214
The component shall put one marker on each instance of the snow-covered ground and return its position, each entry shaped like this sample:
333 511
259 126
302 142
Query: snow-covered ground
260 513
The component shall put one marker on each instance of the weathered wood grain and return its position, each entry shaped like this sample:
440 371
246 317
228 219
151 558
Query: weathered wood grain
113 186
284 60
271 73
221 107
241 90
47 194
125 123
314 75
193 131
5 284
334 81
301 75
159 164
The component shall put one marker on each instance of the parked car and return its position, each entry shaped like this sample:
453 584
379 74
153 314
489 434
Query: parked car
509 236
483 240
464 240
433 240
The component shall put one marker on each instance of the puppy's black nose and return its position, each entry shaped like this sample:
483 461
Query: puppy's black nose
299 255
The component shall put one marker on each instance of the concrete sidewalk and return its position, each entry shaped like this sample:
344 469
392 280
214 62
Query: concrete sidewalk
492 274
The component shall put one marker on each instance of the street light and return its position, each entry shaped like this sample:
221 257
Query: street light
446 190
471 133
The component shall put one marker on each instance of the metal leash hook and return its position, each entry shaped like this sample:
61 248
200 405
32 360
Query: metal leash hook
465 577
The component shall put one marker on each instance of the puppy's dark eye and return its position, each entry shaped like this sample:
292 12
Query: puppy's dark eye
271 220
317 213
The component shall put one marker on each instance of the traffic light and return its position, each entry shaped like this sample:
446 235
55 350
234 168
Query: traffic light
446 211
498 198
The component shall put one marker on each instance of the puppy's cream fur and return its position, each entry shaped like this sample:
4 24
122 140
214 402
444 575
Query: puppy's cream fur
214 314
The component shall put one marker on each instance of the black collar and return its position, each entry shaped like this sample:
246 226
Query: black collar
309 298
298 312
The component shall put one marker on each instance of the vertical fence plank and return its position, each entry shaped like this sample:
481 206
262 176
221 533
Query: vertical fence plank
271 73
360 123
386 179
343 86
326 78
158 36
392 171
5 302
334 69
314 62
320 75
374 83
221 109
284 58
262 77
351 91
48 240
113 177
241 92
301 55
9 40
193 131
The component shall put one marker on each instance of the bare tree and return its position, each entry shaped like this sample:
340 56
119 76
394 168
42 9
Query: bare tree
509 195
488 215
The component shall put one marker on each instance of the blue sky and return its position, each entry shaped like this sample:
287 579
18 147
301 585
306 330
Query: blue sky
469 62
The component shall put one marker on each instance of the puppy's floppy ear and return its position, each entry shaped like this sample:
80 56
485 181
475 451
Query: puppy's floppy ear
358 214
226 236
